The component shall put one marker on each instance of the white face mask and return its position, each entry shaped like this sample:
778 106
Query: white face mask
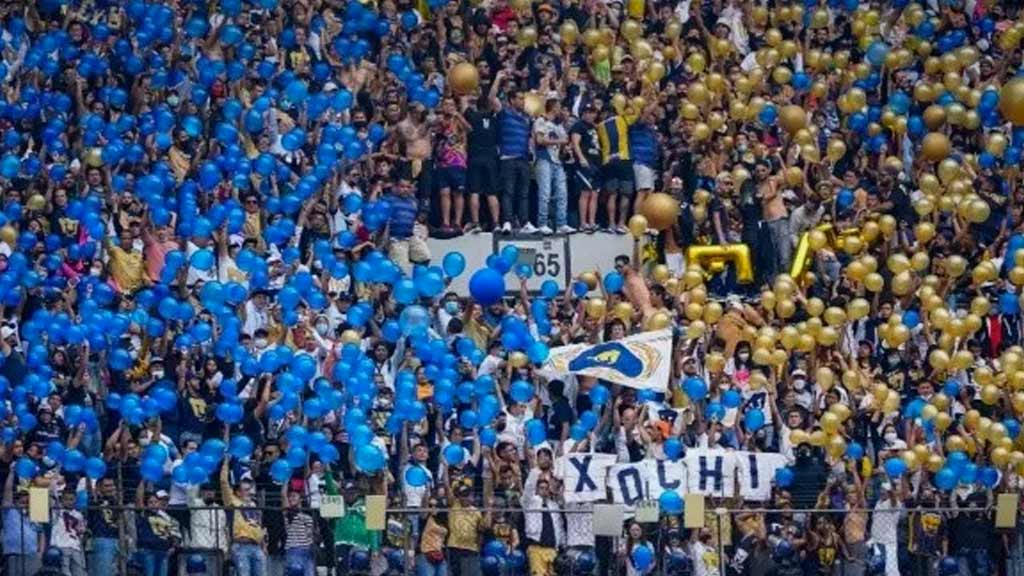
890 437
799 385
158 374
261 343
321 328
743 356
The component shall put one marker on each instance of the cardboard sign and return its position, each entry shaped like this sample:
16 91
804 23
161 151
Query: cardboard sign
376 512
608 519
39 505
332 506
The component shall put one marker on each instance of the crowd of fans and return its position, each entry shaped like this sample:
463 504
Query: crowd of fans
220 307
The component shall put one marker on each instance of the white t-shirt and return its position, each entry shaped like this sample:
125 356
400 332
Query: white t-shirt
67 527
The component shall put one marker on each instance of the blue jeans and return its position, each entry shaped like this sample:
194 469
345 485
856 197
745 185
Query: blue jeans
551 175
302 557
103 560
974 562
249 559
154 562
425 567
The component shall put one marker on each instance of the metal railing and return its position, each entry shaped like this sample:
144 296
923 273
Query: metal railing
831 541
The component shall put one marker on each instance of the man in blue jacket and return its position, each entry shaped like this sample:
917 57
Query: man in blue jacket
514 127
645 150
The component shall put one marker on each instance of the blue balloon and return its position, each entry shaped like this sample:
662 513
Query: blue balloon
670 502
536 433
613 282
877 52
95 468
1009 304
673 448
599 395
784 477
911 319
241 446
754 419
854 451
370 458
229 412
454 454
454 263
26 468
416 476
643 557
537 352
521 391
695 388
895 467
280 471
945 479
487 286
731 399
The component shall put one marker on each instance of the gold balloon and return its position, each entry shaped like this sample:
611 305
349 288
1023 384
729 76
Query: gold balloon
874 282
660 273
792 118
829 423
794 176
638 225
591 37
568 32
527 36
990 394
631 30
8 235
935 146
798 437
596 307
350 337
623 311
94 157
518 359
36 203
673 29
463 78
858 308
532 104
836 446
661 210
836 149
590 279
696 62
658 321
955 444
824 378
1011 101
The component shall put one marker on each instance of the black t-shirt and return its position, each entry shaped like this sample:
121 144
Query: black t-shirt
560 413
589 143
195 411
482 141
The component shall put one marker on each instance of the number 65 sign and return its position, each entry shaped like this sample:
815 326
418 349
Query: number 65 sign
547 257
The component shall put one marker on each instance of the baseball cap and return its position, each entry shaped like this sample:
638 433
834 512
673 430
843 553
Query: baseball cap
162 494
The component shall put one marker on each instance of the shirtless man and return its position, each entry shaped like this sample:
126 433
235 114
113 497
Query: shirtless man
775 215
414 131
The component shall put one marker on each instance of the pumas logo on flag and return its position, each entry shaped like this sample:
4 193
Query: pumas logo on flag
611 355
641 361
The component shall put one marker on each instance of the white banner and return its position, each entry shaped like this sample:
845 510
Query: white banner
711 472
628 483
756 473
642 361
665 476
583 476
718 473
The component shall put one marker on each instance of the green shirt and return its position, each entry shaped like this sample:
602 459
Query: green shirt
351 528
